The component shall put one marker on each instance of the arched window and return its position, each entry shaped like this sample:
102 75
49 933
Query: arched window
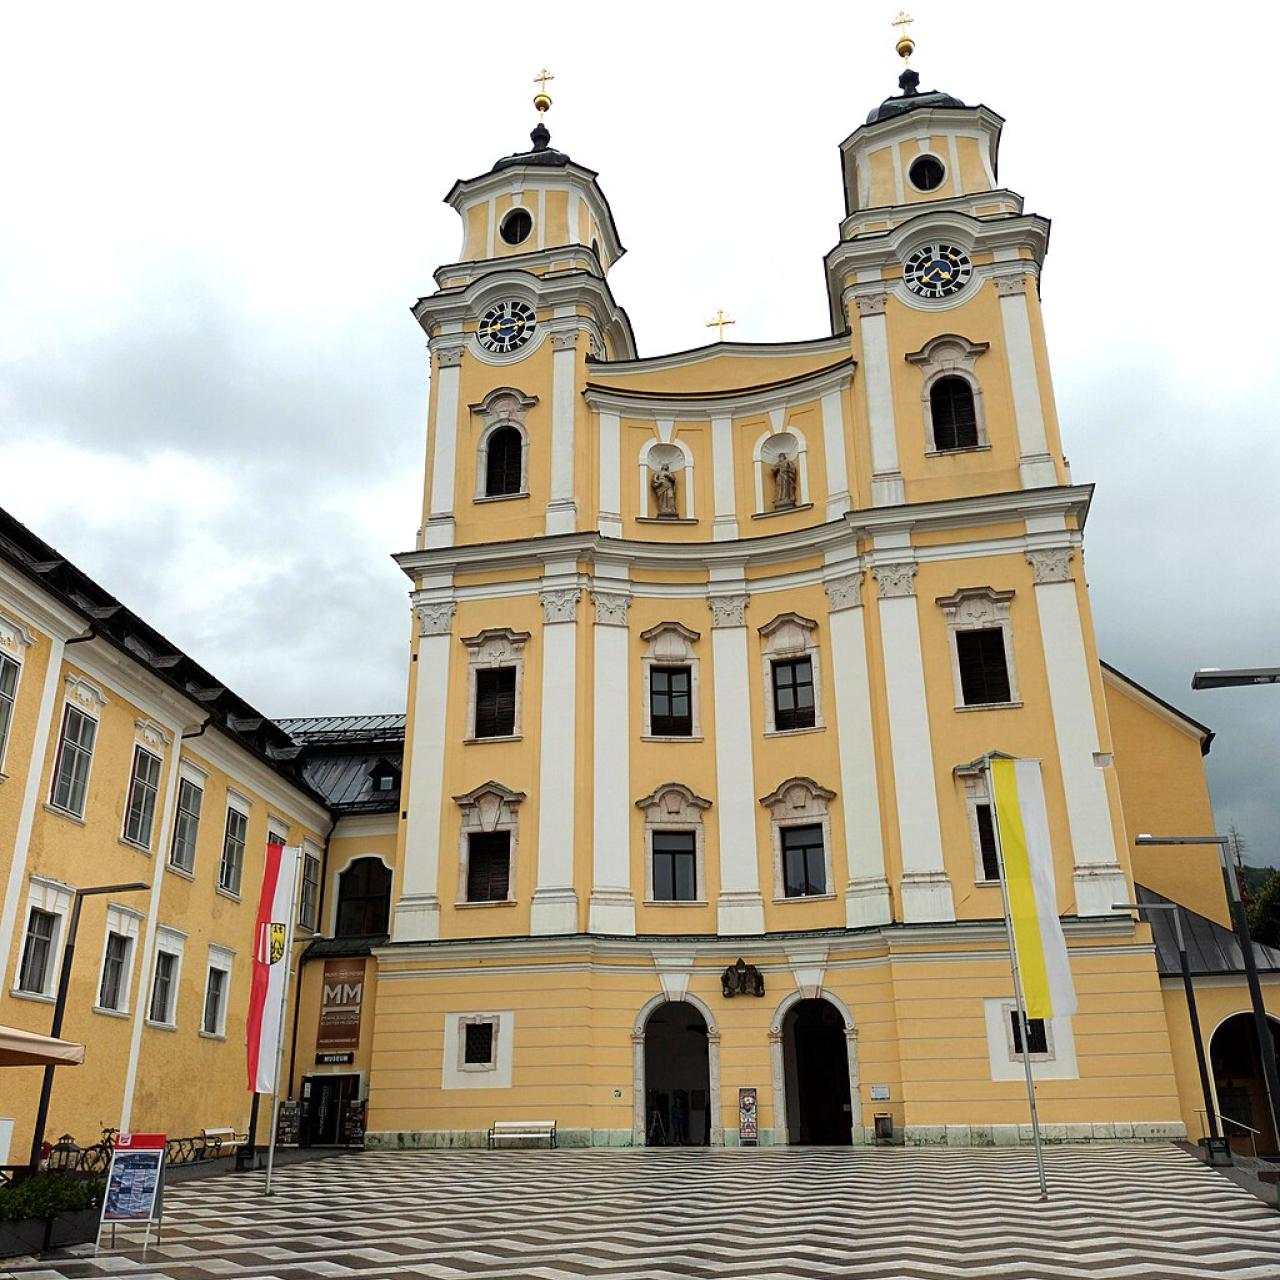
504 463
364 899
955 419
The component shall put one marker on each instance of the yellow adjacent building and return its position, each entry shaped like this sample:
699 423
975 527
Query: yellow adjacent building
682 824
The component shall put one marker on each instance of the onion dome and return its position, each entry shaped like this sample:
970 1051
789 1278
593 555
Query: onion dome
911 99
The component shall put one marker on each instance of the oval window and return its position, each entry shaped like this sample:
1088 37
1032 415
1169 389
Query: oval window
927 173
516 226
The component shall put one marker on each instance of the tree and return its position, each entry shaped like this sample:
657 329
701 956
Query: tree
1264 913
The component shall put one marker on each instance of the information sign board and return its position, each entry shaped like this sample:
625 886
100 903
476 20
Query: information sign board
135 1183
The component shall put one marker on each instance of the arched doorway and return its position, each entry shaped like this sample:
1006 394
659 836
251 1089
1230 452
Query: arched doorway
815 1066
677 1077
1239 1084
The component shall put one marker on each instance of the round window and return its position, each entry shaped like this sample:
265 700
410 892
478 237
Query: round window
517 225
927 173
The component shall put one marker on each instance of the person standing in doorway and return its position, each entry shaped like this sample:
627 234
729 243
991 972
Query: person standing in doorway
679 1121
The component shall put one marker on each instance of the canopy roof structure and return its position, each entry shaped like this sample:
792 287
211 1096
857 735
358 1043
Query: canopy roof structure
26 1049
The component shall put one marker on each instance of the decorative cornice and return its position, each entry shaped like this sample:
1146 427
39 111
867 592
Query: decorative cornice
895 580
844 593
152 734
871 304
728 611
504 404
435 617
86 694
611 608
559 604
14 636
566 341
1052 564
448 357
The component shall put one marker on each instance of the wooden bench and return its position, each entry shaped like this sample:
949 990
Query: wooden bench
522 1129
222 1142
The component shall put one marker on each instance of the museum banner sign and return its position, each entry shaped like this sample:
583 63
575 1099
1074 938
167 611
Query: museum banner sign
341 1001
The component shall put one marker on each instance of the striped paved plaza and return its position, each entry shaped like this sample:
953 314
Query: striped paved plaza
1150 1212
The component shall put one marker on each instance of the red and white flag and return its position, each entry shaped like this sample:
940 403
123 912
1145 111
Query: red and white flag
270 988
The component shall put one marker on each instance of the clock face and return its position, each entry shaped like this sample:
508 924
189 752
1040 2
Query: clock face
937 271
506 326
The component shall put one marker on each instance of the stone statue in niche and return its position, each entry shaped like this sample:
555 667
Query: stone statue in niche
784 483
663 485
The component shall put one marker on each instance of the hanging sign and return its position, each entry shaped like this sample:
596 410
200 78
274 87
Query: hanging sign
748 1130
341 1001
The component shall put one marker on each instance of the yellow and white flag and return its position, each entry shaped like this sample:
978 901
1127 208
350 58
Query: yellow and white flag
1018 791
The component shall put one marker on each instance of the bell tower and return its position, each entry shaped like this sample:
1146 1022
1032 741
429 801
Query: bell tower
510 327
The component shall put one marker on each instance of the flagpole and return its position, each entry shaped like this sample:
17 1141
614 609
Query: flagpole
1023 1029
288 969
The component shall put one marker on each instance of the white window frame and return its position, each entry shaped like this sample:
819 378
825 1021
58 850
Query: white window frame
670 644
1049 1055
127 923
675 807
140 750
488 649
457 1074
220 958
194 777
975 794
502 407
55 897
236 803
488 808
947 356
980 609
15 640
170 942
87 700
1006 1065
799 802
788 638
310 853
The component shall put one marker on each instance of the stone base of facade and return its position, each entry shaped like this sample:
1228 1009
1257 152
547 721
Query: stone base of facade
918 1135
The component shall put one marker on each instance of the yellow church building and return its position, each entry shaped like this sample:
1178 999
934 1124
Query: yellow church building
681 837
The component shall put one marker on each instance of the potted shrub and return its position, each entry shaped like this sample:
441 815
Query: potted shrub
48 1211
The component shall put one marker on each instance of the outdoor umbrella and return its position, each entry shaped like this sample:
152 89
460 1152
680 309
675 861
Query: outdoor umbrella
26 1049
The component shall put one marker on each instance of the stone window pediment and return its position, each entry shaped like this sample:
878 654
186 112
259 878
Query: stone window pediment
503 412
487 810
981 609
788 640
489 650
950 355
670 645
799 802
673 808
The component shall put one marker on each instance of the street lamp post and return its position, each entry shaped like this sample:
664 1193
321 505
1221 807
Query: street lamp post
1218 1148
60 1004
1240 918
1235 678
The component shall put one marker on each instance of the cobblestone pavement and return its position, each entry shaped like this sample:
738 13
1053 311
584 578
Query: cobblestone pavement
1142 1213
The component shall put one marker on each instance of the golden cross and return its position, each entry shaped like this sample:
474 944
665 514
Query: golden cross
541 80
906 46
719 323
904 19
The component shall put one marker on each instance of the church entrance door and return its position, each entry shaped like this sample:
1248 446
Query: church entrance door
677 1077
1239 1083
816 1066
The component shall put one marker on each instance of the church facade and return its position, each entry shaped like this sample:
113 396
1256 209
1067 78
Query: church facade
682 837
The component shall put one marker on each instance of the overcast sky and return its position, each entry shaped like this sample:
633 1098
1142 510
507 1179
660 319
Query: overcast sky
215 219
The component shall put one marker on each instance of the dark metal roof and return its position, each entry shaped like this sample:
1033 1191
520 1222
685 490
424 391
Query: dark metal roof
542 154
911 99
346 781
342 729
1211 948
331 948
119 626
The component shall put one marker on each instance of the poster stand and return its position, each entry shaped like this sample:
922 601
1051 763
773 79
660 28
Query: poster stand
135 1187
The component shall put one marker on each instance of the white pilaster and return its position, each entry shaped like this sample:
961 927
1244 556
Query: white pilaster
725 526
555 904
444 453
926 890
838 500
13 894
867 900
1099 881
610 523
562 510
887 488
142 995
740 908
613 908
417 913
1035 463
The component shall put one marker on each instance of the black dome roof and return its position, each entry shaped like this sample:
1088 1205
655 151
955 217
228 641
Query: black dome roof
542 152
911 99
